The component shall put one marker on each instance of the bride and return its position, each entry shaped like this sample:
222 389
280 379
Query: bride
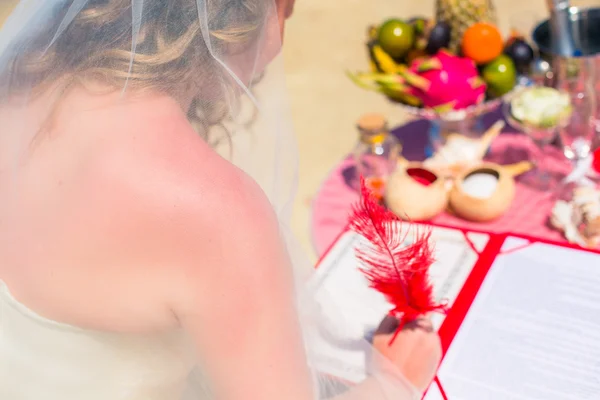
138 259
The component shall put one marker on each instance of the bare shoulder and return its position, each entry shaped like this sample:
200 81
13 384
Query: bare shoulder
191 180
153 150
223 231
209 217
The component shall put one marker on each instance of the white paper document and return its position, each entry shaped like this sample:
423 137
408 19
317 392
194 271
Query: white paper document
345 292
533 331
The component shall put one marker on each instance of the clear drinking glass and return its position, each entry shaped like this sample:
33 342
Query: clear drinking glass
539 178
577 77
578 134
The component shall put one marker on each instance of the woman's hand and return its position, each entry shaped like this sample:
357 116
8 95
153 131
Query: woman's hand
416 351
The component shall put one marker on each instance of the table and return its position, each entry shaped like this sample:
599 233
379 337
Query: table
527 216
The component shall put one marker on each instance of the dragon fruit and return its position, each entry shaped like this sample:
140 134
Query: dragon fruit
444 82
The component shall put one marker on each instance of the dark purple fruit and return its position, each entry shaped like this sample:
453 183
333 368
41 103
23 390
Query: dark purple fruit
439 38
521 53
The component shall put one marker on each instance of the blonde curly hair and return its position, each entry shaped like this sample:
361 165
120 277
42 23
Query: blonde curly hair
171 55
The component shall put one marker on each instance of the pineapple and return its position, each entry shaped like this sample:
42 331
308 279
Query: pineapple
461 14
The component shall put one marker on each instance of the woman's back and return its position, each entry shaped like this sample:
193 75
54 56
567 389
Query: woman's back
88 272
80 208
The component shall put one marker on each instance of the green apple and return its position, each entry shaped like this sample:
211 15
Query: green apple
500 76
396 38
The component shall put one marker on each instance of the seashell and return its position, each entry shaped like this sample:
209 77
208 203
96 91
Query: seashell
563 218
460 152
483 193
415 193
579 219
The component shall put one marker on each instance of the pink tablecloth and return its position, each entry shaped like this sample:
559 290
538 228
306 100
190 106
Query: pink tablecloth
528 214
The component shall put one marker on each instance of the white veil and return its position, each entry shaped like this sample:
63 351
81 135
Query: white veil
221 54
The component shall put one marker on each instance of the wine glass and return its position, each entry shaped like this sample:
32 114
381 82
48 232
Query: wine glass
577 135
538 178
576 77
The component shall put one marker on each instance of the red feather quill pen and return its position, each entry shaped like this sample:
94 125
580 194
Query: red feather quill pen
396 264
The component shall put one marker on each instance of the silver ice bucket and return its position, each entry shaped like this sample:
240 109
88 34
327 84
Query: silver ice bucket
585 28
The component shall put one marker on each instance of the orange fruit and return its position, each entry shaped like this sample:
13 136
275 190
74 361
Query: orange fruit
482 42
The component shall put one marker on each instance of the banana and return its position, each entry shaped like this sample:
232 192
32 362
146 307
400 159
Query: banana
373 66
372 32
381 60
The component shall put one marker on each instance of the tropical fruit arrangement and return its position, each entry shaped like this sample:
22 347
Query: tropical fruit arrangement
453 61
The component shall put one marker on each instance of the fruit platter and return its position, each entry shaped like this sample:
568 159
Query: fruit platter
449 69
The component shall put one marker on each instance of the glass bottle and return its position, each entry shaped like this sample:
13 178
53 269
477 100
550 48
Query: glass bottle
376 153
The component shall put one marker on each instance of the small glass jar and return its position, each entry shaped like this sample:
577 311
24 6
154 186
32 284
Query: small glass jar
376 153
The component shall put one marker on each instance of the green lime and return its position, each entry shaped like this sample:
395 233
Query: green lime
396 37
500 75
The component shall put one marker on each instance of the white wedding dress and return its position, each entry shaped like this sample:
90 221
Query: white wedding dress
211 58
47 360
